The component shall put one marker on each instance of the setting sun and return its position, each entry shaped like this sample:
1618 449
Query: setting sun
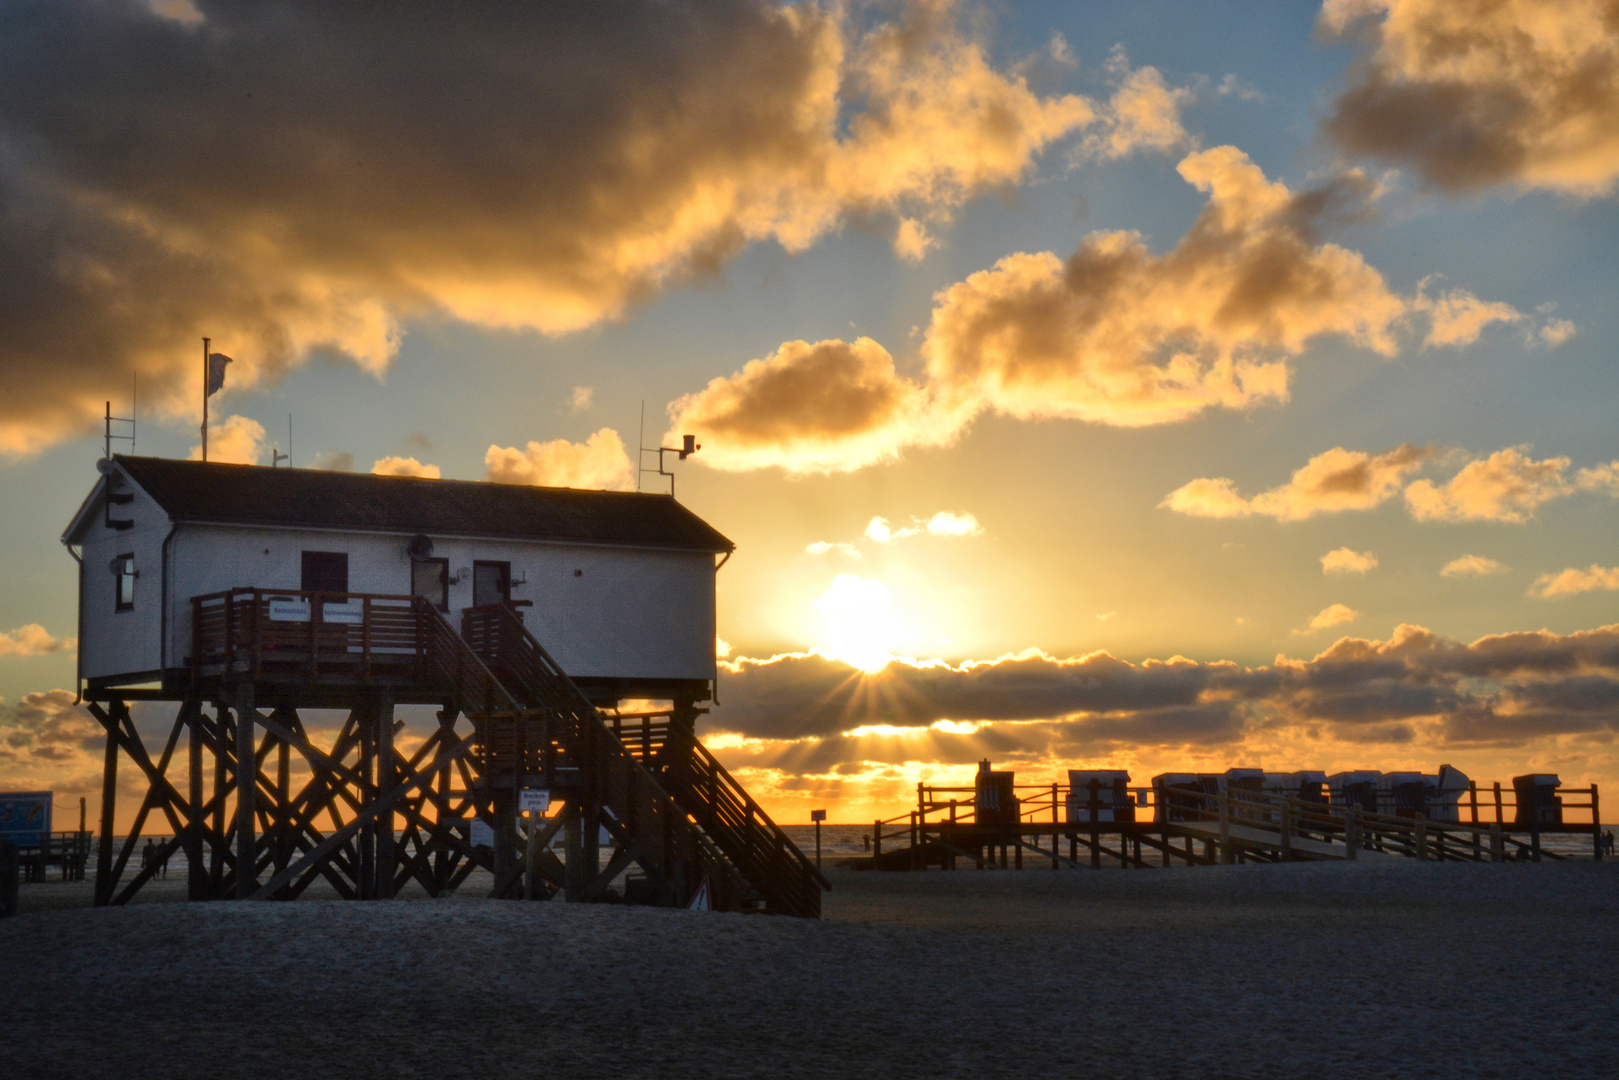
858 623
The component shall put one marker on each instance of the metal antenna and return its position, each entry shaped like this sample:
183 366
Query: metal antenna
640 444
107 435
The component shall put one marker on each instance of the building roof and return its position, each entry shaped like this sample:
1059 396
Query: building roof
312 498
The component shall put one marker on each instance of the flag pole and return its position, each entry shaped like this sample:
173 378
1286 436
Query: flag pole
204 399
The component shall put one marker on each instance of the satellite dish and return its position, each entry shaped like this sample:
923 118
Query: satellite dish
421 546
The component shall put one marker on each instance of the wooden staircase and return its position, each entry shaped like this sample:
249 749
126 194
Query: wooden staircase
668 755
543 733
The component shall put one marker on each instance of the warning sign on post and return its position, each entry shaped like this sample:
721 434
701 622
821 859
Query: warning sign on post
533 800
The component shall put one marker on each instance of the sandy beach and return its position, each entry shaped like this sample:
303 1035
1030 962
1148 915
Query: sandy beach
1341 971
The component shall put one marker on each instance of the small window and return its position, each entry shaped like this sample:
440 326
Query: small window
124 576
430 579
326 571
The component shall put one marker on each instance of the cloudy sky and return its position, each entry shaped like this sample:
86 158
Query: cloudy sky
1123 384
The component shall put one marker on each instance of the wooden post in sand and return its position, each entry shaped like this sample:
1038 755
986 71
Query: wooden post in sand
1351 832
1472 798
1223 800
1095 814
1498 843
1055 822
1420 829
1286 824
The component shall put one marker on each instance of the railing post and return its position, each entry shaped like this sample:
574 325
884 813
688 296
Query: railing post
877 844
1419 829
1596 826
1286 823
1352 832
1498 843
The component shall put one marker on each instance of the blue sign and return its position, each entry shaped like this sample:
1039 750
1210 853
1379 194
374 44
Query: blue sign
24 815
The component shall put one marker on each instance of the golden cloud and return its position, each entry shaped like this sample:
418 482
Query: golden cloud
33 640
405 466
1113 335
1142 114
599 463
1473 93
1507 486
1329 616
1472 566
833 406
1330 482
1599 478
1348 561
236 440
1573 581
327 201
1457 317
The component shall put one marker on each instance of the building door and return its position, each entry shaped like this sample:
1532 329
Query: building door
491 583
430 579
325 571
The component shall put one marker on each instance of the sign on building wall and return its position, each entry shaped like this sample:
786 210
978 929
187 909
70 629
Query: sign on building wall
24 815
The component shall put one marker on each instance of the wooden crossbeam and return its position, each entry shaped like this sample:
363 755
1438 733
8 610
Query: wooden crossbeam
383 804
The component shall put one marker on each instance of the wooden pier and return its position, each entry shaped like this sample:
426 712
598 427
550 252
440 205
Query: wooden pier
1053 824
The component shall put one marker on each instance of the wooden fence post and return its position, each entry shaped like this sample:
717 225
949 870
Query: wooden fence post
1286 823
1352 832
1420 829
1498 843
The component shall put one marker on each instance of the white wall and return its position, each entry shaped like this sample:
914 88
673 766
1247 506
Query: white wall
113 642
627 613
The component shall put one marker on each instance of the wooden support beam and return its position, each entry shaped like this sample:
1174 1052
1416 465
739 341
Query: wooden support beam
247 789
109 795
387 769
459 749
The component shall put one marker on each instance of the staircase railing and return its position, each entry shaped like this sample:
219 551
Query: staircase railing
786 880
638 802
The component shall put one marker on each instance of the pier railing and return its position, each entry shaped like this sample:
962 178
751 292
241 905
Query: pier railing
1466 827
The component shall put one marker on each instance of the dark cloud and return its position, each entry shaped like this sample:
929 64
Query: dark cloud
1504 688
288 175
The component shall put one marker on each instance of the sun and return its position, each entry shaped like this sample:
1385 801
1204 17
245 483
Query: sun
858 623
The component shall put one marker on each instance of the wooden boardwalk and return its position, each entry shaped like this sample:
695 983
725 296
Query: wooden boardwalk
1200 828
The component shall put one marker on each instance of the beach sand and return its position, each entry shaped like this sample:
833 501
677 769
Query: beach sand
1334 970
